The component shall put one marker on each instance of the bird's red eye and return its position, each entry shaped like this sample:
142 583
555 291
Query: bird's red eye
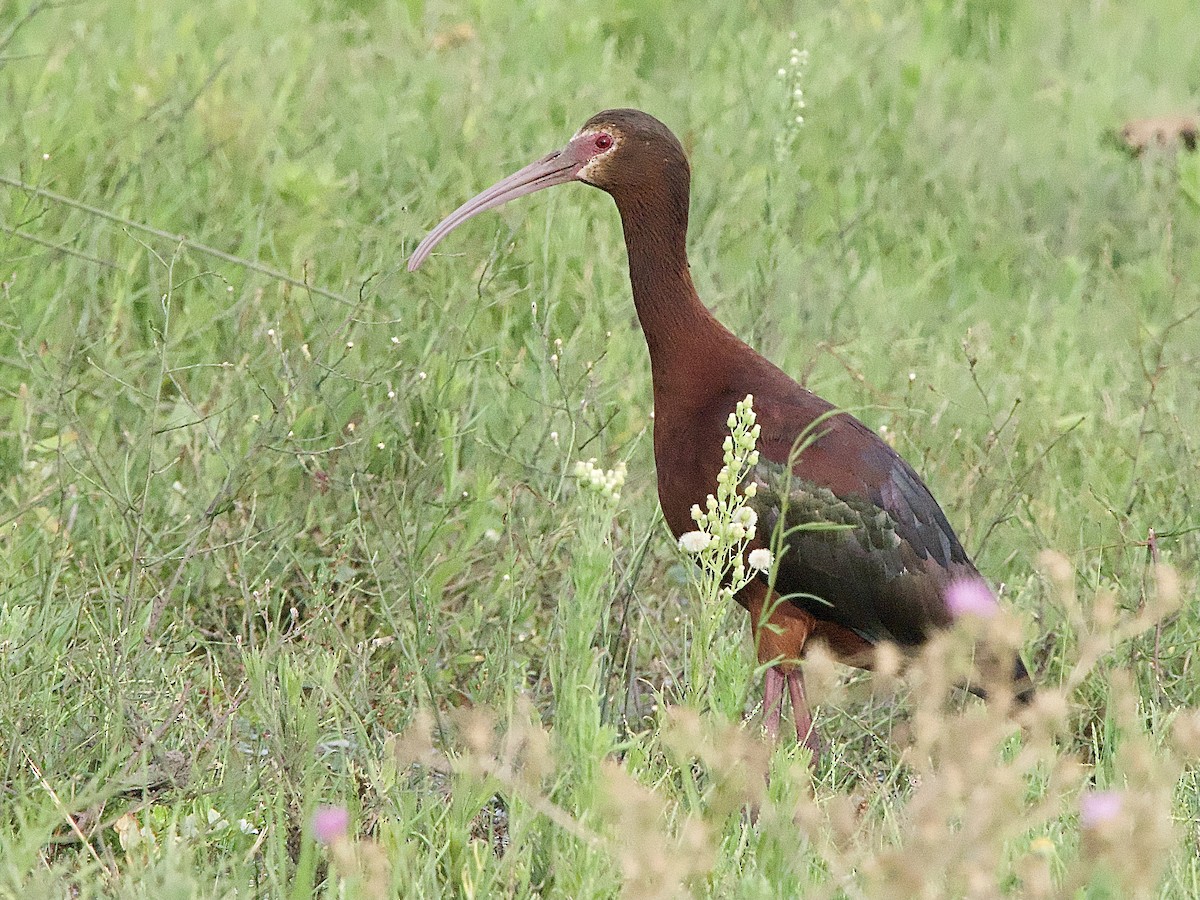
603 141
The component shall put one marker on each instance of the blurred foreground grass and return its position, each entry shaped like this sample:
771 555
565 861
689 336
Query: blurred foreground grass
263 548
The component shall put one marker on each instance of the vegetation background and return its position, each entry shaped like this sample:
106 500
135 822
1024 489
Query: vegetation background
282 525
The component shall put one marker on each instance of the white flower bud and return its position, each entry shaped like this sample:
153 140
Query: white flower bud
694 541
760 559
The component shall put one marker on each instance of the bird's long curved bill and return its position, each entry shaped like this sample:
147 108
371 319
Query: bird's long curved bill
556 168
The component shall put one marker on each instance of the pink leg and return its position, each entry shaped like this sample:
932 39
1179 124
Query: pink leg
772 701
806 734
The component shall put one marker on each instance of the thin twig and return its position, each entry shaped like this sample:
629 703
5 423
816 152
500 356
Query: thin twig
252 265
164 596
66 815
1025 473
60 248
97 824
162 136
33 12
1156 656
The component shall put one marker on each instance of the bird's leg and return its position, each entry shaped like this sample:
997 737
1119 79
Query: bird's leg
806 734
772 701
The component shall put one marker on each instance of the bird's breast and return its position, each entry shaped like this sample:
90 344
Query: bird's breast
687 460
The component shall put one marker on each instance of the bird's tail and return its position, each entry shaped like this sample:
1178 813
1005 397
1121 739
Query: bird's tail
1023 689
1022 684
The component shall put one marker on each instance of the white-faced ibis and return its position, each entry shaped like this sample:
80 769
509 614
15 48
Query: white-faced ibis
883 574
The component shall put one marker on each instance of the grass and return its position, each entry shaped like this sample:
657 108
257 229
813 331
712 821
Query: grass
273 542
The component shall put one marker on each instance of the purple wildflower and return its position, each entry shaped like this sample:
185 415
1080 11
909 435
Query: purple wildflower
330 823
1098 808
971 597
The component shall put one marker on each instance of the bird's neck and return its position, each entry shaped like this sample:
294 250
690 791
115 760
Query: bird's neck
689 348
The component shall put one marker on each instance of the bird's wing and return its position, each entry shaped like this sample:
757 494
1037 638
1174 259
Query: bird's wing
861 540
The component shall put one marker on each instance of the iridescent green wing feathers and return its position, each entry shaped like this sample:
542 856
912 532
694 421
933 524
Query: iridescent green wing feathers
873 554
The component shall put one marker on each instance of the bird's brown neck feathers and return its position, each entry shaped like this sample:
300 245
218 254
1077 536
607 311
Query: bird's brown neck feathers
689 348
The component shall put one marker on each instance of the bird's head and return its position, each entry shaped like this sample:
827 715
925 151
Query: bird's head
626 152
